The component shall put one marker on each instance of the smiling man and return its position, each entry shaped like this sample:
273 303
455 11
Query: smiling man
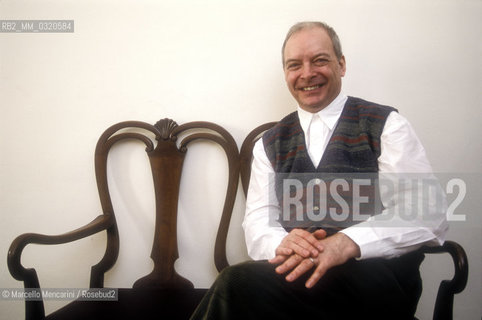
313 68
314 269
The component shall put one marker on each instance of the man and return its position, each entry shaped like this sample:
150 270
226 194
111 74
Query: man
366 270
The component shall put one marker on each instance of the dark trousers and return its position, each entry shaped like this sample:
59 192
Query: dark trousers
366 289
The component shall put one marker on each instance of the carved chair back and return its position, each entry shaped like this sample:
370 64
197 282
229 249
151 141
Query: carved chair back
166 155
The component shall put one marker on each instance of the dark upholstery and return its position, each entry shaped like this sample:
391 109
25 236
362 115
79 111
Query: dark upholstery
135 304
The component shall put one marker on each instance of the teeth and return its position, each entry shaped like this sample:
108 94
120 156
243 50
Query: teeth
310 88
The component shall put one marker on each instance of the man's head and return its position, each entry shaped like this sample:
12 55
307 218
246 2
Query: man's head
313 64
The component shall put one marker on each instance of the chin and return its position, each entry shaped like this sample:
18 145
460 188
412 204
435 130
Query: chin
312 106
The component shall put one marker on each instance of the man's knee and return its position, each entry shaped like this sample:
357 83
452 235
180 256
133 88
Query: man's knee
245 272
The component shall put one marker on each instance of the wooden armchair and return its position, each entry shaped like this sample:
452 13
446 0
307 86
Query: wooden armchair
163 292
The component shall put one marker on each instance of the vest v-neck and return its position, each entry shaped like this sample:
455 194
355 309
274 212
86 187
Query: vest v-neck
313 167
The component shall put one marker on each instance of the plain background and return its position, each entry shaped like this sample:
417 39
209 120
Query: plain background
218 61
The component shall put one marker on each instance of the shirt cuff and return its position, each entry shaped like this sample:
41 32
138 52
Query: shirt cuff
367 240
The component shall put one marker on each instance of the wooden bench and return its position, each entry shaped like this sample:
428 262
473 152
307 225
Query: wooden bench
164 293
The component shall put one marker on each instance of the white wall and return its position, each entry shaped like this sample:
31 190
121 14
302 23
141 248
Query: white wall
217 61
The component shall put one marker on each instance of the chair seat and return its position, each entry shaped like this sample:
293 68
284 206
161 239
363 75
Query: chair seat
138 303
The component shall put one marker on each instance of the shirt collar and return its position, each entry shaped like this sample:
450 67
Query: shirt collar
328 115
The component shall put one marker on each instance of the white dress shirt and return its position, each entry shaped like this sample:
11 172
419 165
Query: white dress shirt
401 152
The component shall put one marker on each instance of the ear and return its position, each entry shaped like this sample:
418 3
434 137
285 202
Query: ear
342 64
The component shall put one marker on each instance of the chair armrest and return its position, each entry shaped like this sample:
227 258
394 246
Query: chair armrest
35 309
448 288
16 269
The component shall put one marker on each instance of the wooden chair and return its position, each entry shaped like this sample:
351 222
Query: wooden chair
163 290
164 293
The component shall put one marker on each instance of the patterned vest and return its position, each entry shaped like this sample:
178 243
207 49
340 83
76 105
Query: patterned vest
350 157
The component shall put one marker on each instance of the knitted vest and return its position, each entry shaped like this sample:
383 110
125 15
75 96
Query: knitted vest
352 153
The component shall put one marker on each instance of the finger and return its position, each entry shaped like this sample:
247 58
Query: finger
302 247
313 238
319 234
316 276
303 267
289 264
320 270
294 243
291 246
283 251
303 243
278 259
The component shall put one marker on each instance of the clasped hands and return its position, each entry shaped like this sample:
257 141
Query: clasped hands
301 250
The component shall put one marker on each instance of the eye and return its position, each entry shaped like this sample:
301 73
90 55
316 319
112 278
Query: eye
320 62
293 65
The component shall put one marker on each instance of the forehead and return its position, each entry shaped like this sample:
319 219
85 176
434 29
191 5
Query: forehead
308 42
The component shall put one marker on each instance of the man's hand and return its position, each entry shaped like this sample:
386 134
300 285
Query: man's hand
337 249
299 242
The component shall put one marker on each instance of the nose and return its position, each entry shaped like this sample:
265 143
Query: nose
307 71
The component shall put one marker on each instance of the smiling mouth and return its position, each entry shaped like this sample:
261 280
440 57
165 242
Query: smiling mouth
311 88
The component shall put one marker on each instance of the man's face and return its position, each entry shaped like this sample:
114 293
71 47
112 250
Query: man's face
312 70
